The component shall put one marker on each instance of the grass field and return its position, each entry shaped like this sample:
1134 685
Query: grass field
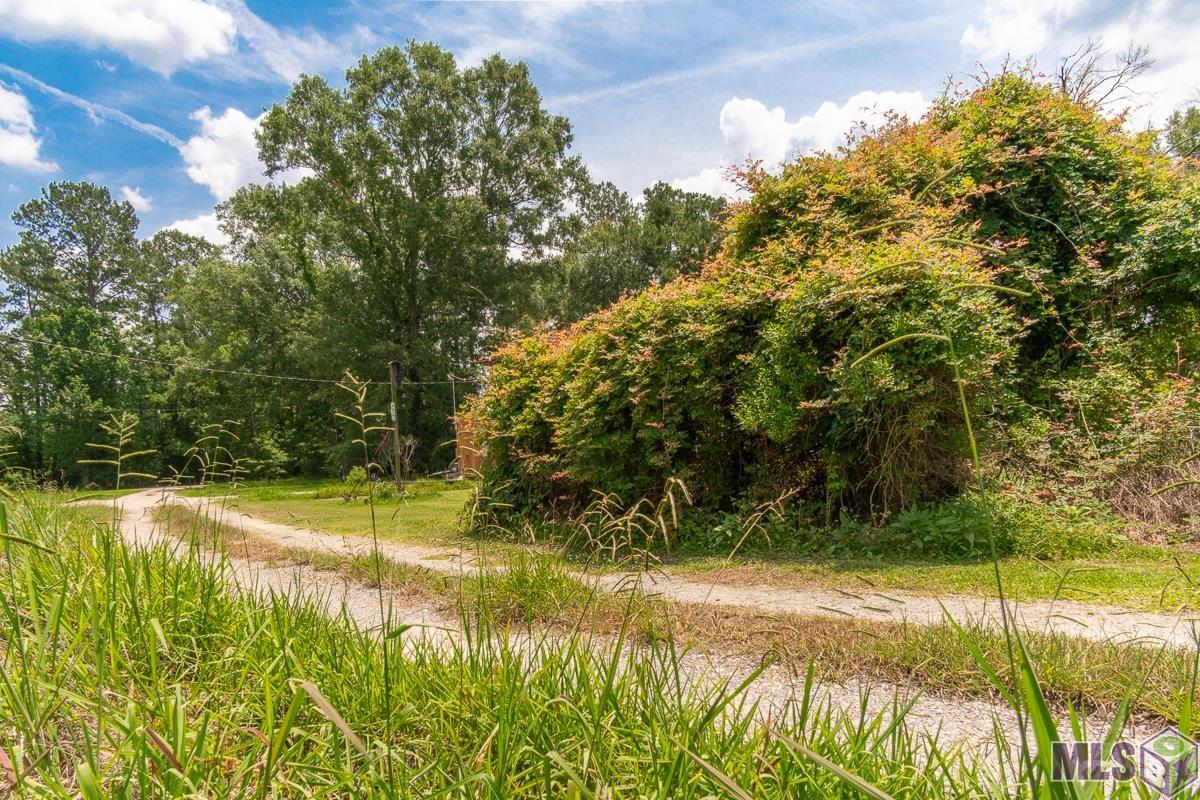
1143 578
539 589
1134 576
134 673
429 516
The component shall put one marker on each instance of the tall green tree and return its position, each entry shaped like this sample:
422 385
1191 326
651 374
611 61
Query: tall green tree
166 263
425 179
69 308
680 231
612 246
76 247
266 309
1182 136
65 378
599 257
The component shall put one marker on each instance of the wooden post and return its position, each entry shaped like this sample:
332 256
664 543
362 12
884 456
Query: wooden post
394 380
454 419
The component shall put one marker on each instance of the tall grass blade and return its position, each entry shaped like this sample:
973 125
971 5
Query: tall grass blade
330 713
869 789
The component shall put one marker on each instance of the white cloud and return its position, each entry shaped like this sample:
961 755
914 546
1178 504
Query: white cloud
535 30
710 180
166 35
95 111
19 145
751 130
224 158
135 198
289 52
1016 27
204 226
160 34
224 155
1050 29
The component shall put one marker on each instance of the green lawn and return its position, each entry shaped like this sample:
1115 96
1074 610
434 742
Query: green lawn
1151 578
1138 577
429 516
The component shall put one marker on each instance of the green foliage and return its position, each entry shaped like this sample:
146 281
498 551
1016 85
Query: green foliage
1182 136
84 305
612 246
405 257
116 452
76 247
959 529
530 589
382 256
1013 234
60 396
355 486
267 458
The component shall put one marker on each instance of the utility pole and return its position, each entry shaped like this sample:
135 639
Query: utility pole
454 417
394 375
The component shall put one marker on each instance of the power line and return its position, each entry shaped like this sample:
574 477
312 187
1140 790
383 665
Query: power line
214 370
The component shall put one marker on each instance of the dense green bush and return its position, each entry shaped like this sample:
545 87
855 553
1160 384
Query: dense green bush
959 528
1012 233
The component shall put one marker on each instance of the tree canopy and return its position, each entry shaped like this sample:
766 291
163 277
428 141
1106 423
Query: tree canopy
422 210
1015 244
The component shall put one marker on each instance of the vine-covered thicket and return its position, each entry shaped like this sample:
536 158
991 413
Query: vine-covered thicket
1015 233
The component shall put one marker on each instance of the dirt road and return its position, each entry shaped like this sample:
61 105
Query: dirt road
1095 622
966 721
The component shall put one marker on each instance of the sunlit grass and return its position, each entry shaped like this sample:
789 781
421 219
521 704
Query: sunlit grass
1139 577
1144 580
543 590
141 674
429 516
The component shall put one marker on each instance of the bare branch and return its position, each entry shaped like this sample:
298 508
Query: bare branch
1090 77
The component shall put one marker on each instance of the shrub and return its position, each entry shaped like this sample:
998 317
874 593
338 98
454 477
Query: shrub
266 457
1012 233
356 484
959 528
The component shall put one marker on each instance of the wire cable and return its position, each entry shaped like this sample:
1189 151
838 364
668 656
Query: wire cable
213 370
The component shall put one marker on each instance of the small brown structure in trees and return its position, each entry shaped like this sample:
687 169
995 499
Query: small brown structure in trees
467 450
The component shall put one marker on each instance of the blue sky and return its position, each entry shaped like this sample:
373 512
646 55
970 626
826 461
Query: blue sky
158 99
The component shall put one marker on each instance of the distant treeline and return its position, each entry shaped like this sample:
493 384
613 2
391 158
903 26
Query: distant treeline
443 209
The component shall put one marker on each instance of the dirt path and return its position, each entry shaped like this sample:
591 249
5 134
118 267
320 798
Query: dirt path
1095 622
335 595
969 722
